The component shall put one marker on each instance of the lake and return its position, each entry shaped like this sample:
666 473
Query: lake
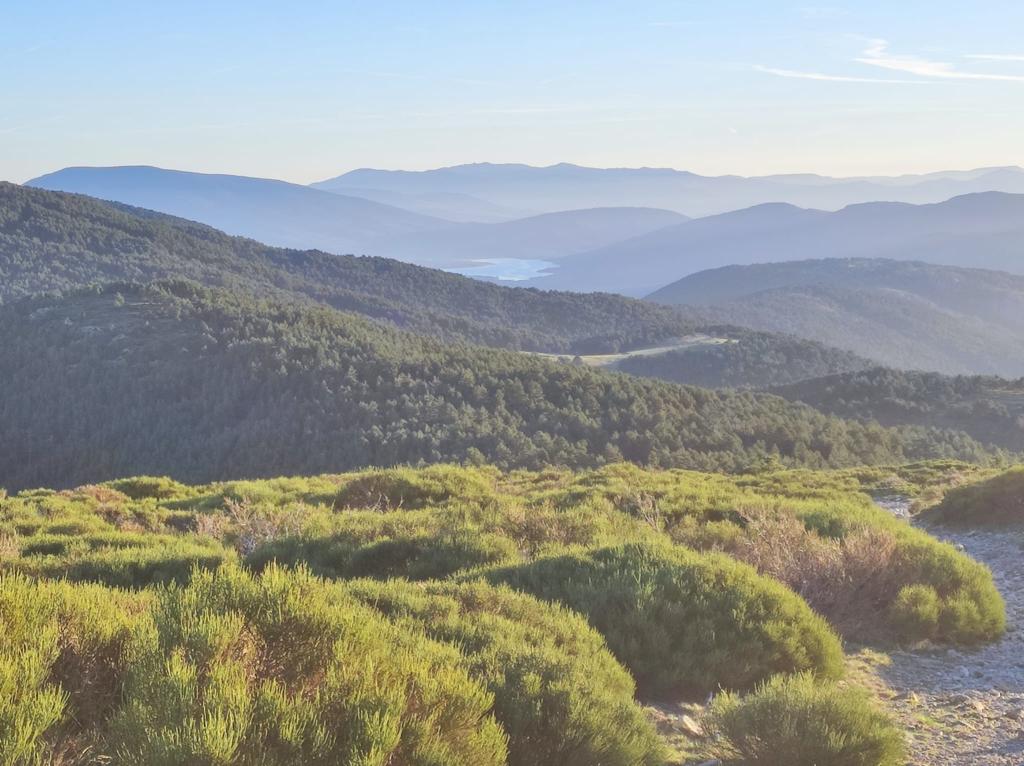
506 269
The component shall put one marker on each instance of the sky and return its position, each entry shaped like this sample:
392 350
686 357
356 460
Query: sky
303 91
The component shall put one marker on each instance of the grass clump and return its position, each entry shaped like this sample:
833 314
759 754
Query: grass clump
684 623
801 721
559 693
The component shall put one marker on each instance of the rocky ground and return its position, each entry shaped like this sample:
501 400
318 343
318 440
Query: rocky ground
967 707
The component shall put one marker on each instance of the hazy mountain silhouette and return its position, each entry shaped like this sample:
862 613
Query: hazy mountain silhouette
571 187
290 215
977 230
547 236
274 212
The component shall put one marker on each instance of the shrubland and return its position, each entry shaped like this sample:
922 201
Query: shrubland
817 532
157 622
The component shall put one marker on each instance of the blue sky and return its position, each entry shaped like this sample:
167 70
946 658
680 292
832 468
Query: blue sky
307 90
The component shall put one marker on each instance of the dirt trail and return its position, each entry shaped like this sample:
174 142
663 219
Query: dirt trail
966 708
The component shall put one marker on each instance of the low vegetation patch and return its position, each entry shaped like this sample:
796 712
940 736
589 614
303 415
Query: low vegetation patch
998 501
559 693
682 622
801 721
280 669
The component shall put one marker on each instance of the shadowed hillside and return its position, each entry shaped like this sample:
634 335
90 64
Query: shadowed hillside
908 315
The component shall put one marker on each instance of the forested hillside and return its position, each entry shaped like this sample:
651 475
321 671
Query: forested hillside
909 315
55 241
199 384
747 359
989 409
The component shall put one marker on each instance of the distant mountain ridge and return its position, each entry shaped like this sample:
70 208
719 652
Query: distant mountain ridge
907 315
274 212
566 186
984 230
550 236
289 215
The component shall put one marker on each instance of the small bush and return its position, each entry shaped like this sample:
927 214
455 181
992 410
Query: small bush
409 489
998 501
915 612
154 487
684 622
63 659
971 611
560 695
284 669
30 706
412 545
802 721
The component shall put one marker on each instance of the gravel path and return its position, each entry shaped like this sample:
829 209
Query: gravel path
966 708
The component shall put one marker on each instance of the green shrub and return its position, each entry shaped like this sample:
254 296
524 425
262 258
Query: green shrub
411 489
396 553
971 609
155 487
30 706
998 501
801 721
915 612
684 623
284 669
63 659
559 694
119 560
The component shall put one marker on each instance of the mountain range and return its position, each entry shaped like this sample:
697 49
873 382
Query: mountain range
606 229
570 187
134 342
984 230
290 215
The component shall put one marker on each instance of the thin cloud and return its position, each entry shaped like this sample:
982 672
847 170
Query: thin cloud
878 55
996 56
790 73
